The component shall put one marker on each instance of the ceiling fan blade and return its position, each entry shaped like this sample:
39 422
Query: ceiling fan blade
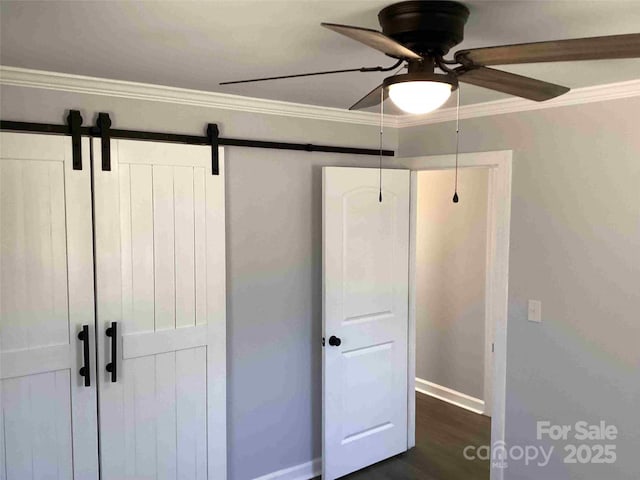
594 48
326 72
370 99
363 69
374 39
511 83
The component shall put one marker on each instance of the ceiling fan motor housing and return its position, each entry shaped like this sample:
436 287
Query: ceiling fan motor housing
426 27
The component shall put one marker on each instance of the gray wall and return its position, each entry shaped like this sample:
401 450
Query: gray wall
575 245
451 249
274 249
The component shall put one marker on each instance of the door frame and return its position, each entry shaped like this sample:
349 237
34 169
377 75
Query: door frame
499 216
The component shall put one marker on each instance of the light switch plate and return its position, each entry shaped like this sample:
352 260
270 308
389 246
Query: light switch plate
535 311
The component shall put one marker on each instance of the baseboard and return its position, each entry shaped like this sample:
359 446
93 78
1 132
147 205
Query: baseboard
304 471
449 395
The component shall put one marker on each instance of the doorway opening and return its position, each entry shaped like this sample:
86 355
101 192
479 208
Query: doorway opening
453 331
369 273
457 313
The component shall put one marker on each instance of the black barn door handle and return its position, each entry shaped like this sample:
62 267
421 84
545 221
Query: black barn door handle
112 367
85 371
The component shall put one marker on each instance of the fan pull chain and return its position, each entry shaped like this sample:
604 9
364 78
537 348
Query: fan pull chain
381 133
455 193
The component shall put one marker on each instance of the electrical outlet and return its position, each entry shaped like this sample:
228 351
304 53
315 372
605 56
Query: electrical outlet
535 311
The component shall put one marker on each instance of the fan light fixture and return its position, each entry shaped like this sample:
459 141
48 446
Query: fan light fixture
420 92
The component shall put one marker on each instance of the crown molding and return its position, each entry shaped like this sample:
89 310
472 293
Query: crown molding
578 96
65 82
23 77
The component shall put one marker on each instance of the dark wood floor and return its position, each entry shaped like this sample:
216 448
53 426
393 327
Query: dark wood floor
442 432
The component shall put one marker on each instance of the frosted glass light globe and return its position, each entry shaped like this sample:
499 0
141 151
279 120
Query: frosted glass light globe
419 96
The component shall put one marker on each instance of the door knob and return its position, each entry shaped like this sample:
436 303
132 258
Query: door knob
334 341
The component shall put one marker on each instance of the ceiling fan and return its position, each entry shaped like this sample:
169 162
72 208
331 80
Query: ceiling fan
418 34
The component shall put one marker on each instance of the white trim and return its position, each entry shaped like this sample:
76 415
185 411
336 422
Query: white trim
304 471
23 77
411 337
449 395
577 96
487 394
500 164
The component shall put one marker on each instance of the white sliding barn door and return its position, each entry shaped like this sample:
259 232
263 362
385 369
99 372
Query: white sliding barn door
365 306
48 425
160 263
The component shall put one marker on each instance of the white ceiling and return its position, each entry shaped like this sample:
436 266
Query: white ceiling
196 44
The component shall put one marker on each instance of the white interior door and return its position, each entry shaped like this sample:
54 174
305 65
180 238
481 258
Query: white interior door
48 424
160 262
365 306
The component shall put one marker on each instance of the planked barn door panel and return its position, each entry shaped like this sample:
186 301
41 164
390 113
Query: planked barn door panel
161 276
48 421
